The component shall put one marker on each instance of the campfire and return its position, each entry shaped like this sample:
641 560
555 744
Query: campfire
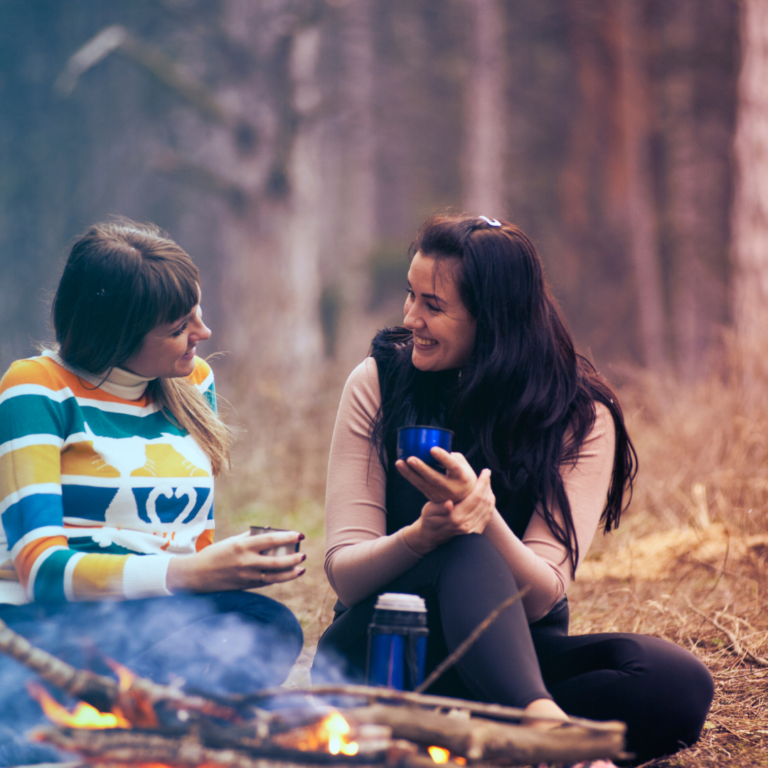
131 721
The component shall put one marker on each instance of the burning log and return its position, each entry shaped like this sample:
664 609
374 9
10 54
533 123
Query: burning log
427 701
135 697
486 740
134 747
220 736
116 749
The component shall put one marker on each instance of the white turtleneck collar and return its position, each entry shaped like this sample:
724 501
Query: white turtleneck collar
120 383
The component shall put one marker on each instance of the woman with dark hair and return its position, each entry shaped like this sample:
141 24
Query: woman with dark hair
541 459
109 444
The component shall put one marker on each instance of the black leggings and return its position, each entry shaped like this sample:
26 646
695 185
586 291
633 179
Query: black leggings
659 690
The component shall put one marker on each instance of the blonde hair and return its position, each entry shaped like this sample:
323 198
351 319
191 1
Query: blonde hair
191 411
121 280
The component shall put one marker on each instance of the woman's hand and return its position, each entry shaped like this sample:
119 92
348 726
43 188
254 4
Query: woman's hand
236 563
456 484
440 522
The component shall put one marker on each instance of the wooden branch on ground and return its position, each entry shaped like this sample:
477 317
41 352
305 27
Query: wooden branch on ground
103 693
473 637
737 648
486 740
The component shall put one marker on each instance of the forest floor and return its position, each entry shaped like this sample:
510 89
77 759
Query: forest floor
689 562
704 589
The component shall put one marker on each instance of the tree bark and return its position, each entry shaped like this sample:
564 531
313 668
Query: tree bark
356 226
638 193
750 207
485 113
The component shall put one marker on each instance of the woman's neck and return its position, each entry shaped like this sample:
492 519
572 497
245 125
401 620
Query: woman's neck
120 382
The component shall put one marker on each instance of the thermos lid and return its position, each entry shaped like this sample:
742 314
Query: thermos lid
396 601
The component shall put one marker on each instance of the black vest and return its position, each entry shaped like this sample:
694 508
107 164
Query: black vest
428 401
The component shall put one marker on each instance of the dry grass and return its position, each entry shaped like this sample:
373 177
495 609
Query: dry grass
689 562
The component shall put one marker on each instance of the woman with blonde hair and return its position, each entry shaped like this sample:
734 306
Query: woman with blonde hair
109 445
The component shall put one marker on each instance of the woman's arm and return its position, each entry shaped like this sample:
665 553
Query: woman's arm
360 557
539 560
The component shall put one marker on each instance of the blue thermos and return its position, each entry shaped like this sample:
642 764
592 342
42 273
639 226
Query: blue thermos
397 641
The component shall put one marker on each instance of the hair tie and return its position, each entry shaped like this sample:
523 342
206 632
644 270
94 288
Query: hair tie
490 222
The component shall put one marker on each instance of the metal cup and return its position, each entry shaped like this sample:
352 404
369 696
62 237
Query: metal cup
418 440
280 549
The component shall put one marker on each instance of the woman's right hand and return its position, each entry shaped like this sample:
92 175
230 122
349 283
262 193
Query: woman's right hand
454 484
440 522
236 563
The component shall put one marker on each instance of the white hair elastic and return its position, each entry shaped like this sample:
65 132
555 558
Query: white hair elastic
490 222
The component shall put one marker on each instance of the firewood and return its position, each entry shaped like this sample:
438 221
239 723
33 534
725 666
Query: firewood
486 740
428 701
141 747
98 691
132 747
103 693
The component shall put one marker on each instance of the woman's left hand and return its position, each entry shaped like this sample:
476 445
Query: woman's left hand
456 484
439 523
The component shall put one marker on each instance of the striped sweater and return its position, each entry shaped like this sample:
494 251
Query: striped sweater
97 492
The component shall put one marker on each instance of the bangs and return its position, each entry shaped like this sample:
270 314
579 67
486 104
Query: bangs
172 289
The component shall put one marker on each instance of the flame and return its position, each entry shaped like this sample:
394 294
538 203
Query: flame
328 735
438 754
165 765
83 716
337 728
124 675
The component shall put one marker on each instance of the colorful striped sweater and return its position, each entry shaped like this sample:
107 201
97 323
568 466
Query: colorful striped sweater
97 492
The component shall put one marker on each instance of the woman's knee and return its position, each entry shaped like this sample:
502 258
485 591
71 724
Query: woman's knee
277 621
473 559
663 693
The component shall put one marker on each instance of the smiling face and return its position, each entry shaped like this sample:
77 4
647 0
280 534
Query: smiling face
168 350
443 329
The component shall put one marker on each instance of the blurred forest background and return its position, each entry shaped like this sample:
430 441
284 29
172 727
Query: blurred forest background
294 146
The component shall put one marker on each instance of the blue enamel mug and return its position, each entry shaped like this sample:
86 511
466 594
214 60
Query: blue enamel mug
419 440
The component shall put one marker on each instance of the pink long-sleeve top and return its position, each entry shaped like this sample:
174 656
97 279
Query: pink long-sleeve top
361 558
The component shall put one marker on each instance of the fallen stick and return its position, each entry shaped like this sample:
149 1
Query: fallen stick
495 711
104 693
738 648
471 639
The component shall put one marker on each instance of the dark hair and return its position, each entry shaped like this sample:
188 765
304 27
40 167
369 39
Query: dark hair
525 401
120 281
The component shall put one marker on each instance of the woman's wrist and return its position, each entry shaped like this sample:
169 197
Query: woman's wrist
177 578
413 535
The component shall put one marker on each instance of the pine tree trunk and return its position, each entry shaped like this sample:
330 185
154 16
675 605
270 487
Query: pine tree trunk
485 113
750 208
640 211
356 211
